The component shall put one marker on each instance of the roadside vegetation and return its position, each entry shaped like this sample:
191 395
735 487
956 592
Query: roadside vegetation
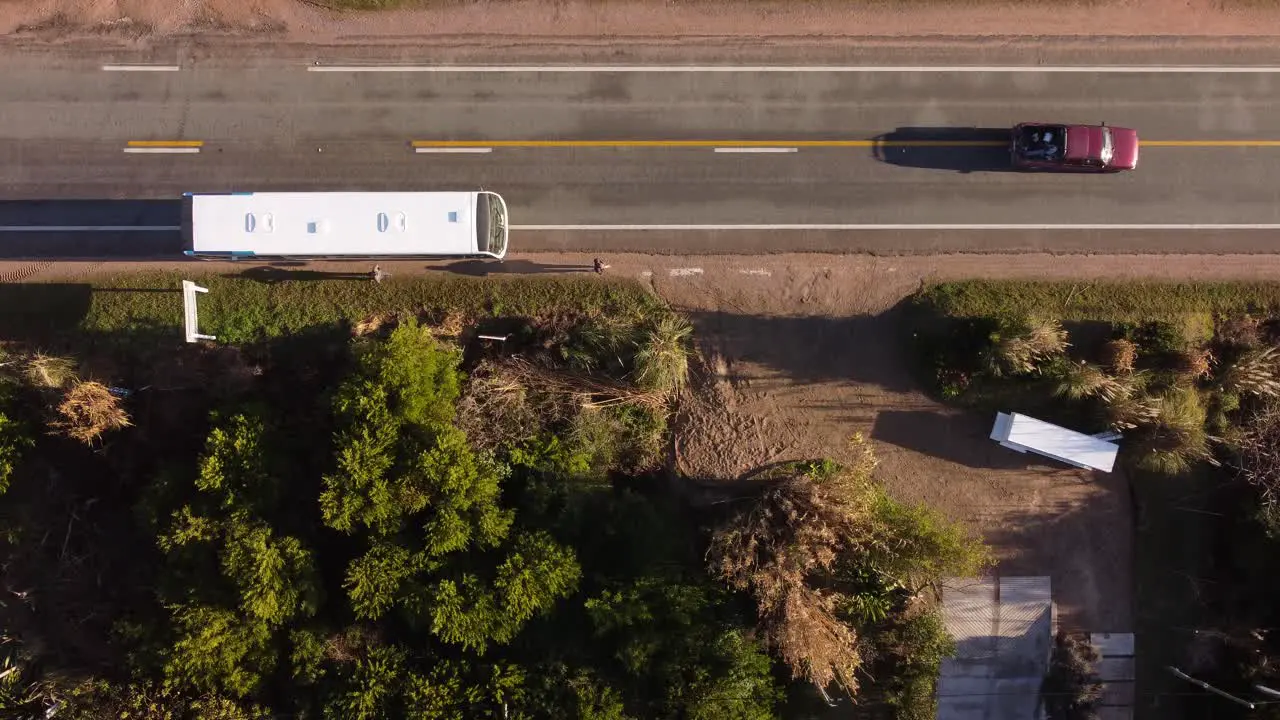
1189 376
353 506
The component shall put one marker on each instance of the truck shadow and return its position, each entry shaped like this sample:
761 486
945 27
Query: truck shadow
959 149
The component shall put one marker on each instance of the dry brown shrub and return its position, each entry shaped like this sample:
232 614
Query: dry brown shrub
495 411
796 530
1243 331
372 324
1259 447
1120 355
450 326
1195 363
509 399
49 371
87 411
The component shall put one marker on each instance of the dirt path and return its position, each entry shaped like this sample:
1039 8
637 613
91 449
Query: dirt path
803 351
507 22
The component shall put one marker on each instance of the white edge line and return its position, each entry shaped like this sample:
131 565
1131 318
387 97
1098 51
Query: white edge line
684 272
89 228
757 271
756 149
1162 69
871 227
162 150
453 150
141 68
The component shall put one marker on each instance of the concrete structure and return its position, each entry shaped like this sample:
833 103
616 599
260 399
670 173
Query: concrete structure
1023 433
1004 632
1116 669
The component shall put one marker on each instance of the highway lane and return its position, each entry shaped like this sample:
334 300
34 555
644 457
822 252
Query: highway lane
63 131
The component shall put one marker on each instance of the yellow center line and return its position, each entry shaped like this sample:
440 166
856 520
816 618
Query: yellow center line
794 143
166 143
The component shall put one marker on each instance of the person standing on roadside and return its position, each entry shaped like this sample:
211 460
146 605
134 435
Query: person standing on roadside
598 265
378 274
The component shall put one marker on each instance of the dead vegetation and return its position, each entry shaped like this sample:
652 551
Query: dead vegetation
796 530
87 411
827 554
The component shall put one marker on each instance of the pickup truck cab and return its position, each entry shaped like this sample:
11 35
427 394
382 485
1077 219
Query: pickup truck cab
1074 148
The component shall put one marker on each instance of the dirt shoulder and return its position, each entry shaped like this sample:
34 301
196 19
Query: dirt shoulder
506 23
799 352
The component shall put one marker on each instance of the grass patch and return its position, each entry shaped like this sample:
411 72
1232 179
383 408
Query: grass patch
239 310
1100 301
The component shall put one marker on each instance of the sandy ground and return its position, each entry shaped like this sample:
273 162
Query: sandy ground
306 22
799 352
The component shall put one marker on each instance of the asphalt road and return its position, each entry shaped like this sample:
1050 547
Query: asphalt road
270 124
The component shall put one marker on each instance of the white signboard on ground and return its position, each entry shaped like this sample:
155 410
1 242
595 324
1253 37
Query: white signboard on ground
191 321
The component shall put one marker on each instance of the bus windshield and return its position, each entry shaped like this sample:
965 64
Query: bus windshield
491 224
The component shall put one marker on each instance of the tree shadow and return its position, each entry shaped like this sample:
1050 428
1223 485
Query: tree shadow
860 348
40 310
959 149
1077 528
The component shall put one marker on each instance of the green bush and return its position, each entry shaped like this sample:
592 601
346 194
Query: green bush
13 443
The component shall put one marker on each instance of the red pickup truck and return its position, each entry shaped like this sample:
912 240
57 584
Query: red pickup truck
1074 148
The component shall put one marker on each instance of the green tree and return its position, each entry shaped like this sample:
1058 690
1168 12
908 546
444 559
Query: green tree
217 650
461 492
101 700
472 613
360 494
275 576
398 454
682 653
233 469
452 690
372 686
374 580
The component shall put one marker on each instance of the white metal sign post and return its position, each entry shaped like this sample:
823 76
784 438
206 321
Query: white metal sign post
191 320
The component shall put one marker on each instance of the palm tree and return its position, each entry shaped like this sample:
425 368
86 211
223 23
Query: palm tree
662 355
1178 439
1019 349
1085 380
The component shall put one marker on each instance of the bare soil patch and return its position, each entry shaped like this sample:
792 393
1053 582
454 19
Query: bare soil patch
501 22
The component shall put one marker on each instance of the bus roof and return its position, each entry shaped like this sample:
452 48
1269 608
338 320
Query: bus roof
334 223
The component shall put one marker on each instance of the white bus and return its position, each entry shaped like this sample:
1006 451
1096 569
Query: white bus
345 224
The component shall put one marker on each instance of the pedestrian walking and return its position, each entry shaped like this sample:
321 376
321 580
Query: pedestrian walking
378 274
599 266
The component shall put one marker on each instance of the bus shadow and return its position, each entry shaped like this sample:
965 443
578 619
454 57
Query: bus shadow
959 149
484 268
272 274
